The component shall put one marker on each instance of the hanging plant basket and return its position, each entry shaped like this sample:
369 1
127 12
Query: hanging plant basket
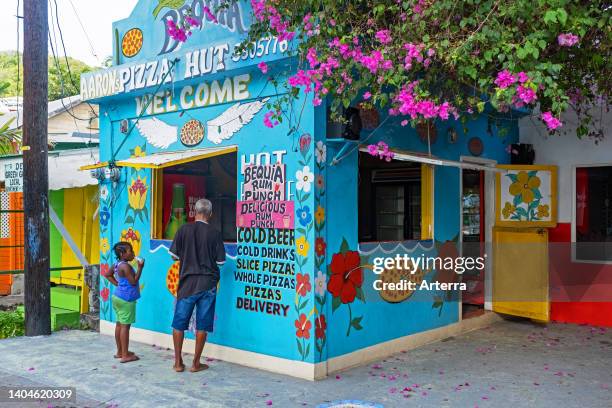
369 116
426 128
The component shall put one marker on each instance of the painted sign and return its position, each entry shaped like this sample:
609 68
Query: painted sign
265 265
526 196
193 64
265 214
264 182
13 177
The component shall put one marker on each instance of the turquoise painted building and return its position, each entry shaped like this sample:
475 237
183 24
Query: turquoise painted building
304 212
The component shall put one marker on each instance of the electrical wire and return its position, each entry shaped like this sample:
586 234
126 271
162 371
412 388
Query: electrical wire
59 27
93 51
18 63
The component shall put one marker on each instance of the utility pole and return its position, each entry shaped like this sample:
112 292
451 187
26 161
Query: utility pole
35 169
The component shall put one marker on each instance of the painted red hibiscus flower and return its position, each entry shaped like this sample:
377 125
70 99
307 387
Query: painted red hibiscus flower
320 326
303 326
105 270
303 285
320 246
104 294
346 276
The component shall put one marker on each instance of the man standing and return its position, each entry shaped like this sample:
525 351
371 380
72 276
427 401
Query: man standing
199 248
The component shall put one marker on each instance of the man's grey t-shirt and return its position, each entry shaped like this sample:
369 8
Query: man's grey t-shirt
199 247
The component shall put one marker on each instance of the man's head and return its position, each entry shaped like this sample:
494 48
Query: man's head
203 209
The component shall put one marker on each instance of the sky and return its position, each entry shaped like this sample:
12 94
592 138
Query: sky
97 17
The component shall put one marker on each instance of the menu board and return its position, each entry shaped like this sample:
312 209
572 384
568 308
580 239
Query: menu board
265 262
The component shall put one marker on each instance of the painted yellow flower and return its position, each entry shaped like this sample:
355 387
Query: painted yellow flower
138 152
133 237
524 185
320 215
302 246
543 211
137 193
508 210
104 245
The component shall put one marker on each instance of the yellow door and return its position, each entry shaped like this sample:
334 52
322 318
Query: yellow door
520 272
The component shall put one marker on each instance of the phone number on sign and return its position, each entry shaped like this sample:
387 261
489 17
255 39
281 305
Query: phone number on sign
12 394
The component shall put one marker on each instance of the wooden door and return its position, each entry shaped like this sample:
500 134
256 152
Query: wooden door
520 272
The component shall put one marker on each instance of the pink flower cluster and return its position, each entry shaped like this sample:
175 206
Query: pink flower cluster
416 52
381 150
175 32
504 79
210 15
407 103
419 7
268 120
567 39
181 34
267 12
263 67
551 122
383 36
524 91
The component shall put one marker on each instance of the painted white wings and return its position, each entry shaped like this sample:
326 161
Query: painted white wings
158 133
232 120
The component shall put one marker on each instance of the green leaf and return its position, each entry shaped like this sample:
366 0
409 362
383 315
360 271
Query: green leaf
562 16
532 173
542 44
344 246
360 294
299 346
550 17
356 323
303 304
307 351
512 177
536 193
129 219
517 199
336 302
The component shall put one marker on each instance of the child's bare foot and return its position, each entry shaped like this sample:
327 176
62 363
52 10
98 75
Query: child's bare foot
198 367
179 368
130 353
129 358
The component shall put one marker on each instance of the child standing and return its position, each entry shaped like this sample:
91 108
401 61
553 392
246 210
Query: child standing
125 297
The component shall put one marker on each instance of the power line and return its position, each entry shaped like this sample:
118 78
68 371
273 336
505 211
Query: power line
93 51
59 27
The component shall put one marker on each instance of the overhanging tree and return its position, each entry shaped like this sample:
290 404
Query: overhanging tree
424 59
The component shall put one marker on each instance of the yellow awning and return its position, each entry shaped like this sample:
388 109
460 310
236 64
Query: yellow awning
167 159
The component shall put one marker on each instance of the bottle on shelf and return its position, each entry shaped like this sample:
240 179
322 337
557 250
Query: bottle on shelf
177 214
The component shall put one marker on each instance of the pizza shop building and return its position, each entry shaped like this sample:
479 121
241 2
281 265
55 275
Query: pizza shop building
304 212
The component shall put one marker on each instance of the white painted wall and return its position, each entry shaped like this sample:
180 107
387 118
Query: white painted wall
566 151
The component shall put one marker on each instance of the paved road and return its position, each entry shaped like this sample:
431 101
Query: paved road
510 364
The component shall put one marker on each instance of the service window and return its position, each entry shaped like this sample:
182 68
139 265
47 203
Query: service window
593 226
391 200
177 188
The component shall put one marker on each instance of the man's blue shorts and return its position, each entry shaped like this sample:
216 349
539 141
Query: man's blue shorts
204 302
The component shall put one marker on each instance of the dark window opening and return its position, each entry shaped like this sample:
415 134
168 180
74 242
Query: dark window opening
594 213
212 178
389 200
